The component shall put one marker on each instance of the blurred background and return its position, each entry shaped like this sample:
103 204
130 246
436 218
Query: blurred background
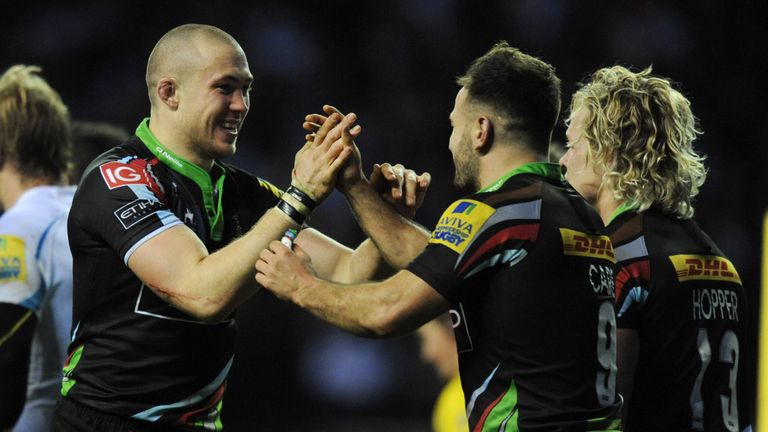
394 63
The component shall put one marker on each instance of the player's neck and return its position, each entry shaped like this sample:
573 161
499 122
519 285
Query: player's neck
167 134
494 165
606 204
13 185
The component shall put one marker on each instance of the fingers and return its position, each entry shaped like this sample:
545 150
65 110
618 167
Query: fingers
330 109
300 252
424 180
314 123
410 187
326 127
341 159
397 179
376 179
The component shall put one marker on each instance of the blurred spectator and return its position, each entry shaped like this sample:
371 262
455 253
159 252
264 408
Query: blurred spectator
90 140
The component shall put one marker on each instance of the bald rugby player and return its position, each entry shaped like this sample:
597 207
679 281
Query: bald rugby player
164 237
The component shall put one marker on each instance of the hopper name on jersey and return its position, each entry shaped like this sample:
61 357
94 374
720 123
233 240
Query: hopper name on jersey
715 304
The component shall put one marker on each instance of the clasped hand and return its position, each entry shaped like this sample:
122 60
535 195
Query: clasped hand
397 185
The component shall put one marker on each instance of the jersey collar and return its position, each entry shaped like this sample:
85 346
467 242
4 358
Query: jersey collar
625 207
212 190
543 169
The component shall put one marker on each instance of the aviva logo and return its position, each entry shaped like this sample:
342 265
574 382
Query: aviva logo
12 259
459 224
464 207
587 245
704 267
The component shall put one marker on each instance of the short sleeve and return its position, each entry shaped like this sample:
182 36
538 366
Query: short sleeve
19 278
472 236
123 203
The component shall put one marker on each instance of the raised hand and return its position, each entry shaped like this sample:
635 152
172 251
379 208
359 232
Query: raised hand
400 187
352 173
317 164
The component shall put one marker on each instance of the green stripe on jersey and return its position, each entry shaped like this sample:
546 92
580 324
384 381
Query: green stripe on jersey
504 413
603 424
66 382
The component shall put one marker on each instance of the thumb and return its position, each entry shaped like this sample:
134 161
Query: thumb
300 252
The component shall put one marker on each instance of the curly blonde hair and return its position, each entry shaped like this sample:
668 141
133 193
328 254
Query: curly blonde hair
641 130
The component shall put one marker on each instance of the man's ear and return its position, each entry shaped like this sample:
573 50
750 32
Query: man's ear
483 134
167 93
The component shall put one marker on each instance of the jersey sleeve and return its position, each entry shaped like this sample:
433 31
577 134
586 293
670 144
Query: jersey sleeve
632 287
19 275
472 236
274 192
122 203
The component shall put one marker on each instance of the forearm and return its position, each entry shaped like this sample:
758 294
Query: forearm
398 239
365 263
359 309
393 307
210 287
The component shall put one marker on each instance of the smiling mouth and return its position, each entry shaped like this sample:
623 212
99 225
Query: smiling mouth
231 126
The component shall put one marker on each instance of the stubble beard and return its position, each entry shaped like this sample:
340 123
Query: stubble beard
467 167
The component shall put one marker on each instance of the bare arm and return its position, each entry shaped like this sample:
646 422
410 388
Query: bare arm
628 350
336 262
176 265
393 307
398 239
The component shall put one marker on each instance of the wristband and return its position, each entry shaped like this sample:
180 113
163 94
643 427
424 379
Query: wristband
289 237
291 212
302 197
296 204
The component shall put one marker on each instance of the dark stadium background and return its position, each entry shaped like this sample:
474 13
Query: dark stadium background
394 63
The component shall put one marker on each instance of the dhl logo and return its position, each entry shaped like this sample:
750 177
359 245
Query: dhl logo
692 267
587 245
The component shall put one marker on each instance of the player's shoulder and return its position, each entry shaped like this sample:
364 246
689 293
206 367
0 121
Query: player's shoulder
30 215
251 182
118 166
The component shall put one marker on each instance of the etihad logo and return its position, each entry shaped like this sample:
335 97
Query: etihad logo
704 267
587 245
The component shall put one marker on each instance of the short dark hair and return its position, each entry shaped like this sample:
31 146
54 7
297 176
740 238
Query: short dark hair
90 139
34 124
523 88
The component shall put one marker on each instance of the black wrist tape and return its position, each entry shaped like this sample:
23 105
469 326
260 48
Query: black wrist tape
291 212
302 197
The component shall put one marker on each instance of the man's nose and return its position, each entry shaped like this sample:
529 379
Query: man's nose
239 101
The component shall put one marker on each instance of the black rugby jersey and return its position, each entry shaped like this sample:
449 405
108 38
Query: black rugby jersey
685 300
530 281
133 354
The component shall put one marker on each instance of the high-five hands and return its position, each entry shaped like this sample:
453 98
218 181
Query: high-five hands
317 164
397 185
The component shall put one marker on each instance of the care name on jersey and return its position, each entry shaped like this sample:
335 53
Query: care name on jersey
600 276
